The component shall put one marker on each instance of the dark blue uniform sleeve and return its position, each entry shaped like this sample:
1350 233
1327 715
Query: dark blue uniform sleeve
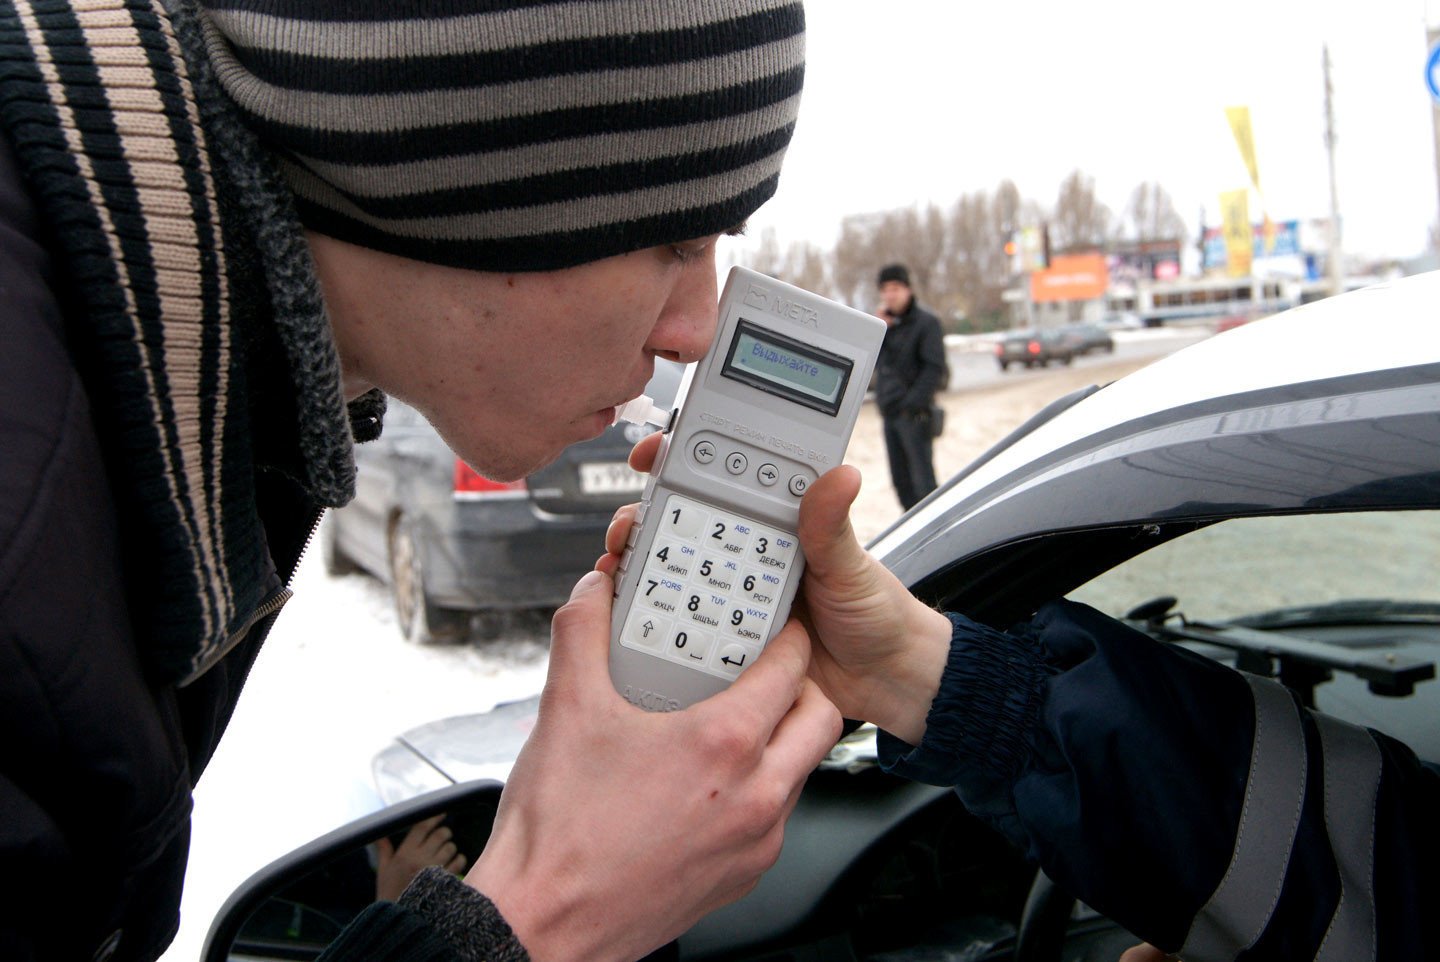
1201 808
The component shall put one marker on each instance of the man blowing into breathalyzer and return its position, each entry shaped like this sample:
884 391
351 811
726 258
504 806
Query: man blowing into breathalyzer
227 230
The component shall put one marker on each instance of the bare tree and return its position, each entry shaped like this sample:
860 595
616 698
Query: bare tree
1150 214
1080 220
803 264
911 236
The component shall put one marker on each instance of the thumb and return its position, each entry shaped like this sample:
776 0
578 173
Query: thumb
580 630
826 536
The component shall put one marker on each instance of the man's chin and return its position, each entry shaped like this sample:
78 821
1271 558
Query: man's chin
511 464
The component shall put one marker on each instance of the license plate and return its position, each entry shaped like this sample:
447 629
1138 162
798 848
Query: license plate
611 478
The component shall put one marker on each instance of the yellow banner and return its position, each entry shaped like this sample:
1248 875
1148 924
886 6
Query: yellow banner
1239 236
1239 118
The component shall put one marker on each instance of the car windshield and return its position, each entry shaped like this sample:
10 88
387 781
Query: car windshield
1249 566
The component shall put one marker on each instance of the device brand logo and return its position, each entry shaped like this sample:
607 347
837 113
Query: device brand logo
760 298
650 700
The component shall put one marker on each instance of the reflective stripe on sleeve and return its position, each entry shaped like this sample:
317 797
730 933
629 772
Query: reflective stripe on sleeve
1352 781
1241 905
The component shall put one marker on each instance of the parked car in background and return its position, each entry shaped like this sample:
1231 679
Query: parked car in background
1033 347
1122 321
1087 338
1271 509
451 543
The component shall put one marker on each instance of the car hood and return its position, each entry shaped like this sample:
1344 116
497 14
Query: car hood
484 746
1229 427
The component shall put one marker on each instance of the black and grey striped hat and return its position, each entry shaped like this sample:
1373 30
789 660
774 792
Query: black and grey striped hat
517 134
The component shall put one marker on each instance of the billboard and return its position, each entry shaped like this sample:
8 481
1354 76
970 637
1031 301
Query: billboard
1284 242
1071 277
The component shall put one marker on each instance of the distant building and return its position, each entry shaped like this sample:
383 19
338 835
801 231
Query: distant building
1144 279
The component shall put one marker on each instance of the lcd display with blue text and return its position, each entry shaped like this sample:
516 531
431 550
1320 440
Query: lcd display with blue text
779 365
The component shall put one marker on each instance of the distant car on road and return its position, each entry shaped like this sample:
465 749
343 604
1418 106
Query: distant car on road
1122 321
1085 338
451 543
1034 347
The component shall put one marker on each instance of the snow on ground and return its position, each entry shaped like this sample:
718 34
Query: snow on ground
335 682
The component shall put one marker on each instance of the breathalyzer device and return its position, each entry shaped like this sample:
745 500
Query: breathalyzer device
712 562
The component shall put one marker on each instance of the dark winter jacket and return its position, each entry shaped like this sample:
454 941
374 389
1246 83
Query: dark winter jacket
911 367
1202 808
171 425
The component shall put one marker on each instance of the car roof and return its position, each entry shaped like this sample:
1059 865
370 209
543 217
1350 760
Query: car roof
1330 405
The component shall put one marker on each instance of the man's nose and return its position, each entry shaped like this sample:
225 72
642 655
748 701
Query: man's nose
687 322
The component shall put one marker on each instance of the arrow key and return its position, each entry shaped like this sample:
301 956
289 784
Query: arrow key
732 660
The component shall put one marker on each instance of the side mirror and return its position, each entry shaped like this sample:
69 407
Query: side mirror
295 906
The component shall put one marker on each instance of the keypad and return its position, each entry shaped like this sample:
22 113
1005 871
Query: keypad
709 588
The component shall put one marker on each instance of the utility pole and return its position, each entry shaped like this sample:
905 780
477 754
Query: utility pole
1337 270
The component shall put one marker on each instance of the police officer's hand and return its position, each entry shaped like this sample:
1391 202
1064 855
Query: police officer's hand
880 652
618 828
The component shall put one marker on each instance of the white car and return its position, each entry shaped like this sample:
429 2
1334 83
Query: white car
1271 509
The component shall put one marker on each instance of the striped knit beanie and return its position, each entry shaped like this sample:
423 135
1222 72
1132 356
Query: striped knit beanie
515 135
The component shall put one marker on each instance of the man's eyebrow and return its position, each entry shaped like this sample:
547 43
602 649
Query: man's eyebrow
737 230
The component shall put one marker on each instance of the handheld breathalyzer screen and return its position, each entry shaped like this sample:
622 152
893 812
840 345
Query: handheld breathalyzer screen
778 365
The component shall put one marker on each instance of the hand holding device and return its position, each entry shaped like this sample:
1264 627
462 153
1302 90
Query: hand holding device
713 562
618 828
877 651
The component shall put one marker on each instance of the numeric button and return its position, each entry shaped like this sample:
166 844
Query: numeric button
771 550
672 558
659 592
682 519
726 536
689 645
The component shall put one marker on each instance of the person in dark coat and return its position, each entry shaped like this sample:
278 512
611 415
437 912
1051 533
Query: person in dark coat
229 229
911 370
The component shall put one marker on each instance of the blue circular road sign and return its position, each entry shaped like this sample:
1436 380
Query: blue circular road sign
1432 71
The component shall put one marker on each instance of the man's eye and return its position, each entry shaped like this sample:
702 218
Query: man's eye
682 253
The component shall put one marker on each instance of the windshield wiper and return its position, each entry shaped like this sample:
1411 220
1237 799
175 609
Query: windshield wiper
1355 611
1303 662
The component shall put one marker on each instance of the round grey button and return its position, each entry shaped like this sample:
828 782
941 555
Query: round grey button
768 474
799 484
736 463
704 452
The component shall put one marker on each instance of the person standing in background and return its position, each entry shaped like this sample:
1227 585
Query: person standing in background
911 369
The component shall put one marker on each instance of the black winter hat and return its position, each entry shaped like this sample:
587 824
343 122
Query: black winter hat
893 272
503 136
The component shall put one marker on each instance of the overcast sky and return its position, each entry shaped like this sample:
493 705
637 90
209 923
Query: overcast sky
922 100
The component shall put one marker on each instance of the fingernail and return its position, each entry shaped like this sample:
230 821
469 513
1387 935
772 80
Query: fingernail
590 582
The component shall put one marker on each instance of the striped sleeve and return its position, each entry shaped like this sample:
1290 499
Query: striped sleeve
1203 809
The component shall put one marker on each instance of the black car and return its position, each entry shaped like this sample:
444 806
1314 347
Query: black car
1088 338
1282 516
1034 348
451 543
